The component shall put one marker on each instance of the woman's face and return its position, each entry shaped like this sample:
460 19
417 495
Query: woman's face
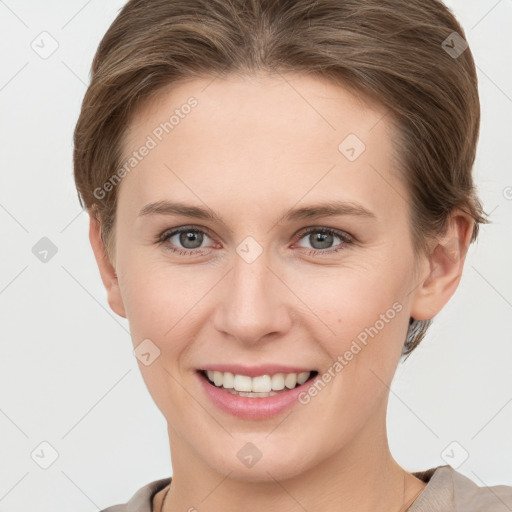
260 287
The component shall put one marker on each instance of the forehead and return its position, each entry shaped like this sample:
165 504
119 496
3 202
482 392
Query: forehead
260 142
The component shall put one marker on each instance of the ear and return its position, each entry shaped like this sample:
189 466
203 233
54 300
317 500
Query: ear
446 262
107 271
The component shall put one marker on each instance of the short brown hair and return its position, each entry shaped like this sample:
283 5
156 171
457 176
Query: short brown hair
402 53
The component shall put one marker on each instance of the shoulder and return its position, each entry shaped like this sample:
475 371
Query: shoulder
486 498
142 500
448 490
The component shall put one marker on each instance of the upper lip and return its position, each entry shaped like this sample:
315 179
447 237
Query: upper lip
255 371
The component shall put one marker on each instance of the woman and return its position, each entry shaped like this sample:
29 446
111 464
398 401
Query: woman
281 200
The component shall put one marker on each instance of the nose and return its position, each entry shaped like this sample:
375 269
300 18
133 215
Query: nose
254 307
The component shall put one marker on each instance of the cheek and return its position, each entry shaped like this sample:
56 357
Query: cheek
347 300
161 309
159 305
364 352
359 322
166 306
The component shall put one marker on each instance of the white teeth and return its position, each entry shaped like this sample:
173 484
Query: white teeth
218 378
278 381
242 383
303 377
228 380
262 385
251 395
290 380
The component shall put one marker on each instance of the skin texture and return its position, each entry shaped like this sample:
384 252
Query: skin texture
253 148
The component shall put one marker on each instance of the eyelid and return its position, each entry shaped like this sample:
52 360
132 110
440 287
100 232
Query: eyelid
338 232
345 237
178 229
300 234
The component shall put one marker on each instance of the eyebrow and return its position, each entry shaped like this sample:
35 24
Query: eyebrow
324 209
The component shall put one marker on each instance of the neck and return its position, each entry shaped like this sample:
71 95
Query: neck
362 476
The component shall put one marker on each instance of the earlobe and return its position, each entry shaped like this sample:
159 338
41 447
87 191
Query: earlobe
107 271
446 262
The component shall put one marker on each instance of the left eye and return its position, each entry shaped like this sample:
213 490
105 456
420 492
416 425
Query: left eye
190 239
323 238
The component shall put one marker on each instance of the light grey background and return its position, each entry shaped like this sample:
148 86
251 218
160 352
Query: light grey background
67 371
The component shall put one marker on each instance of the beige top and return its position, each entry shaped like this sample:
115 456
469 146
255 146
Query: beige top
446 491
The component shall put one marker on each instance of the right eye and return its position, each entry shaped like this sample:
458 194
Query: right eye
187 242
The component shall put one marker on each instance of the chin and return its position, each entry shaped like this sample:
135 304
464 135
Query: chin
268 464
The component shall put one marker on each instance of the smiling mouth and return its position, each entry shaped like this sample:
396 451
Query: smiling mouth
256 387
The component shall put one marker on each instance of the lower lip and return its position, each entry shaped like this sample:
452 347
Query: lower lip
257 408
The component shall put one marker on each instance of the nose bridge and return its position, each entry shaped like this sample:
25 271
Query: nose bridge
251 274
253 304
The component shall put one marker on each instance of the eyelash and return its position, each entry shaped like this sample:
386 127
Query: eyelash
345 238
